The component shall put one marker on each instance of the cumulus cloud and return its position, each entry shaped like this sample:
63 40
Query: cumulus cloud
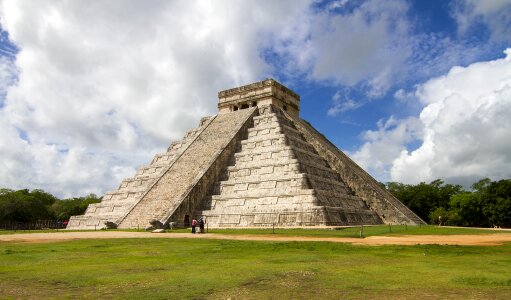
95 89
382 146
103 86
461 135
466 126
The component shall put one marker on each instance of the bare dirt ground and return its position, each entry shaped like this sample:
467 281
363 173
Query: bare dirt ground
474 240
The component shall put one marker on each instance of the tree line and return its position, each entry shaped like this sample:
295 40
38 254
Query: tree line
26 206
487 204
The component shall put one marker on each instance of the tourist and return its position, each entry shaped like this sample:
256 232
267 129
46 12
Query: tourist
201 224
194 223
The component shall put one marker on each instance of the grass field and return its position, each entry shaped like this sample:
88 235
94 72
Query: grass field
393 230
200 268
366 231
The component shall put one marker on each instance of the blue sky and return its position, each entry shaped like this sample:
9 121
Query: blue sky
411 90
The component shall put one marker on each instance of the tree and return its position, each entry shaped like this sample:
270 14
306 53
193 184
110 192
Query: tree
64 209
468 209
424 198
496 197
25 206
29 206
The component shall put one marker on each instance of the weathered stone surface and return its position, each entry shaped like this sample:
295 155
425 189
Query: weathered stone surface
256 163
116 204
171 190
268 183
388 208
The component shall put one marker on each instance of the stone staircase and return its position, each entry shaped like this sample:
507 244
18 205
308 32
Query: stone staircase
278 178
116 204
171 189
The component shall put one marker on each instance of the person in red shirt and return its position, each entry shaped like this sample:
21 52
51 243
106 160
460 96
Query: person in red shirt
194 224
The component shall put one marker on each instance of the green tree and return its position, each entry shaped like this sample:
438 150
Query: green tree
25 206
496 197
64 209
424 198
468 208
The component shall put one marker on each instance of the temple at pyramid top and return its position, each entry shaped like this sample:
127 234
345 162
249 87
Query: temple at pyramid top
259 94
254 164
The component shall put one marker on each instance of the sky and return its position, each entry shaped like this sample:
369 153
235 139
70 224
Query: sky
413 91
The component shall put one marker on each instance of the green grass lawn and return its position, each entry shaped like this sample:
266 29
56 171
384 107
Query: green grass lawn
393 230
330 232
221 269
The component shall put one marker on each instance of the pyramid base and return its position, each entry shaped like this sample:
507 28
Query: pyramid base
316 216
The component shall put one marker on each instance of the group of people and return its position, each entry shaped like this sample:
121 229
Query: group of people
201 223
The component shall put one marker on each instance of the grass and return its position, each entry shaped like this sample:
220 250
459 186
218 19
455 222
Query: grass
221 269
393 230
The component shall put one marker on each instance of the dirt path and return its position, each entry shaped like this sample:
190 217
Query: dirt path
476 240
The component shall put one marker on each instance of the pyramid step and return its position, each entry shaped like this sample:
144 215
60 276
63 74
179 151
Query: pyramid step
135 182
174 147
271 153
163 158
276 152
272 128
150 170
119 195
262 194
281 187
309 156
319 170
271 118
265 166
273 133
274 140
266 150
181 183
283 200
153 174
330 198
258 139
134 188
308 216
300 143
321 183
268 182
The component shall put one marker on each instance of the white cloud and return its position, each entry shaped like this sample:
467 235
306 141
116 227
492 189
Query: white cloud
464 129
342 104
103 86
97 88
337 4
496 14
356 47
466 126
7 74
382 146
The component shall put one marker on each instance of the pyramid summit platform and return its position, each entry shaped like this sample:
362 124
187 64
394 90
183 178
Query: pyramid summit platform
254 164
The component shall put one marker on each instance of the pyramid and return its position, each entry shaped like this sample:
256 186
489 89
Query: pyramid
254 164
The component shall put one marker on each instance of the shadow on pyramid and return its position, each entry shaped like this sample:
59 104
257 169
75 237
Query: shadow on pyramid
254 164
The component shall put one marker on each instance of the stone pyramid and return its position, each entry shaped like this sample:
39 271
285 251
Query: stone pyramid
254 164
